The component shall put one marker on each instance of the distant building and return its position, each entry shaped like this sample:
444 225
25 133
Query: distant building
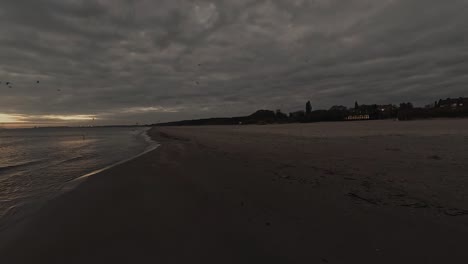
297 114
358 117
453 103
386 108
374 111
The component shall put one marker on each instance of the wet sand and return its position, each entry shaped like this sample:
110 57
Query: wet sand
359 192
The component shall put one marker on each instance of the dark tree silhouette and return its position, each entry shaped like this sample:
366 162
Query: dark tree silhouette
356 106
308 108
405 106
280 115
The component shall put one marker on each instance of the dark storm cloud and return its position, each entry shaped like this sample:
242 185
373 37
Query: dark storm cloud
125 61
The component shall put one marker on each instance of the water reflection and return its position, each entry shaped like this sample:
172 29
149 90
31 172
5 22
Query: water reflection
36 163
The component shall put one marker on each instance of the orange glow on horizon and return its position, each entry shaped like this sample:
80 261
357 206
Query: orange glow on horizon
69 117
7 118
19 120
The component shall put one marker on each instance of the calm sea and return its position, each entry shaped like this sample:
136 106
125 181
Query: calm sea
36 164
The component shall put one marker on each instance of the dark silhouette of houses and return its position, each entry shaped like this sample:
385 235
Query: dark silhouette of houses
297 114
357 117
452 103
374 111
449 107
387 111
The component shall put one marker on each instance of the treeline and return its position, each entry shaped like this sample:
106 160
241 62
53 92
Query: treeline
259 117
268 117
450 108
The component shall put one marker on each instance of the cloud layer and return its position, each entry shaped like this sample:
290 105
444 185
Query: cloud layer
128 61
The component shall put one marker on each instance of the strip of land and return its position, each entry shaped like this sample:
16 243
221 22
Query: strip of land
359 192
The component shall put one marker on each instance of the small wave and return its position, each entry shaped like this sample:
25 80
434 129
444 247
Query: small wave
75 182
61 162
69 160
43 166
19 165
151 143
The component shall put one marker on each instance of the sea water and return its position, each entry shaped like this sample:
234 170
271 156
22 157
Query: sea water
36 164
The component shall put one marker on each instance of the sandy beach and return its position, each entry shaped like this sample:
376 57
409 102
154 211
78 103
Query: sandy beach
344 192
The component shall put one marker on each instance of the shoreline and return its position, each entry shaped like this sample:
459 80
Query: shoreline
261 193
70 185
9 221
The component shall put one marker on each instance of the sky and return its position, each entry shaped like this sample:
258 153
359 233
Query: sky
101 62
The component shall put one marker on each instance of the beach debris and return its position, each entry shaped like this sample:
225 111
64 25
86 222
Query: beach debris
283 176
434 157
353 195
416 205
455 212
